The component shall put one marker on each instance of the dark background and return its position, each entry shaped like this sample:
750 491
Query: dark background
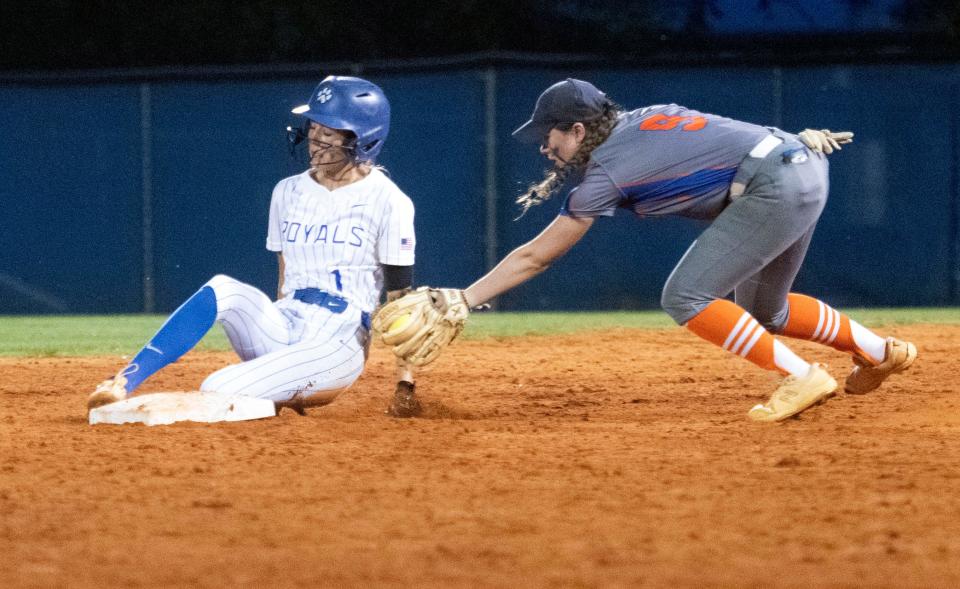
111 109
70 34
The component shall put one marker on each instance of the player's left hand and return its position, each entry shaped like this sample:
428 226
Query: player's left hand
420 324
825 140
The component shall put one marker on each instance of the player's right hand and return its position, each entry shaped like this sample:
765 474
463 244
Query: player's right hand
825 140
420 324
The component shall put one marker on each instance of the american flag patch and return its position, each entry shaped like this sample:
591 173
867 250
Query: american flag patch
406 243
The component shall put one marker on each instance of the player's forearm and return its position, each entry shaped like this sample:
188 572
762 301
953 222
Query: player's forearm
529 259
404 370
518 267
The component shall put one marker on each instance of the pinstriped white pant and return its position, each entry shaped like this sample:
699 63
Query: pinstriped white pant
289 349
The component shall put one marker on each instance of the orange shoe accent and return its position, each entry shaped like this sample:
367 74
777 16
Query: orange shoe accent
816 321
732 328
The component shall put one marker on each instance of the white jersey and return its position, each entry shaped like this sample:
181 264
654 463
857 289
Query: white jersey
337 240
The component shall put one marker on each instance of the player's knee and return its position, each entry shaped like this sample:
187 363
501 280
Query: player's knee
221 281
679 306
767 315
224 286
773 323
681 298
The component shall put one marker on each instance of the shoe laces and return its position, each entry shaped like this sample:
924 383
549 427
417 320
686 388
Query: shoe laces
787 389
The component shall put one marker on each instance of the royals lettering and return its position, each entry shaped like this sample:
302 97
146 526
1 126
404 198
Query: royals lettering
338 234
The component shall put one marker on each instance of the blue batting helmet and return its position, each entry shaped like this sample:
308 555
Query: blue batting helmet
351 104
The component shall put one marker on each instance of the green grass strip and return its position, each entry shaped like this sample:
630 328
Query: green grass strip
482 325
81 335
85 335
513 324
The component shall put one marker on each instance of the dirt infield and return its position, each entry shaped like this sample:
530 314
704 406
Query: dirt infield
620 458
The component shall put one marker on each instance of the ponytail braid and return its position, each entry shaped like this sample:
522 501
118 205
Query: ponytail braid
597 131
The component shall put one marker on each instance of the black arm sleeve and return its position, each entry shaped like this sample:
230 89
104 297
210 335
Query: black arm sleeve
397 277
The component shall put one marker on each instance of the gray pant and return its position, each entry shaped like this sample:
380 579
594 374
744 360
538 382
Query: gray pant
755 246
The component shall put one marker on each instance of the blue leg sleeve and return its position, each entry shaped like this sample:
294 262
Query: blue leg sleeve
181 331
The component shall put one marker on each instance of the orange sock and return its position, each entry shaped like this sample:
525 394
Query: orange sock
816 321
731 327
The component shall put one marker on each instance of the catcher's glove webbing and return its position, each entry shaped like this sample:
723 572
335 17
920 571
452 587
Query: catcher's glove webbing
420 324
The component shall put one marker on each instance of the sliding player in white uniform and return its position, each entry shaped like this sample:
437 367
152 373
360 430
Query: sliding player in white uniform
343 231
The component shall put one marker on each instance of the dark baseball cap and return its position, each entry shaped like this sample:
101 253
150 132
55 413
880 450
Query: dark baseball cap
568 101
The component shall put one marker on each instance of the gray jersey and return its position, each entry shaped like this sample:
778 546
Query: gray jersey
664 160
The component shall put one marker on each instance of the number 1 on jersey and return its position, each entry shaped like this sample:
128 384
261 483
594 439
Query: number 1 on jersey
336 277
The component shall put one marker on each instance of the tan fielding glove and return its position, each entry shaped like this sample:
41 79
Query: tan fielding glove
825 140
420 324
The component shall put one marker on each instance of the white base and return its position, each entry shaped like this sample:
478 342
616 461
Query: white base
165 408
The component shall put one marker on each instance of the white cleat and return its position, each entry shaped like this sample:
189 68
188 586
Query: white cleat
796 394
899 355
108 391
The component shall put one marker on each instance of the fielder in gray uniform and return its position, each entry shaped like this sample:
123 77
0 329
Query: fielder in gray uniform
763 191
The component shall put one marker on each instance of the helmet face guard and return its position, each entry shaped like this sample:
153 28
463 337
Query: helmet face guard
347 104
299 134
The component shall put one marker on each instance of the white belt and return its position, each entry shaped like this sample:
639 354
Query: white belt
766 145
749 166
